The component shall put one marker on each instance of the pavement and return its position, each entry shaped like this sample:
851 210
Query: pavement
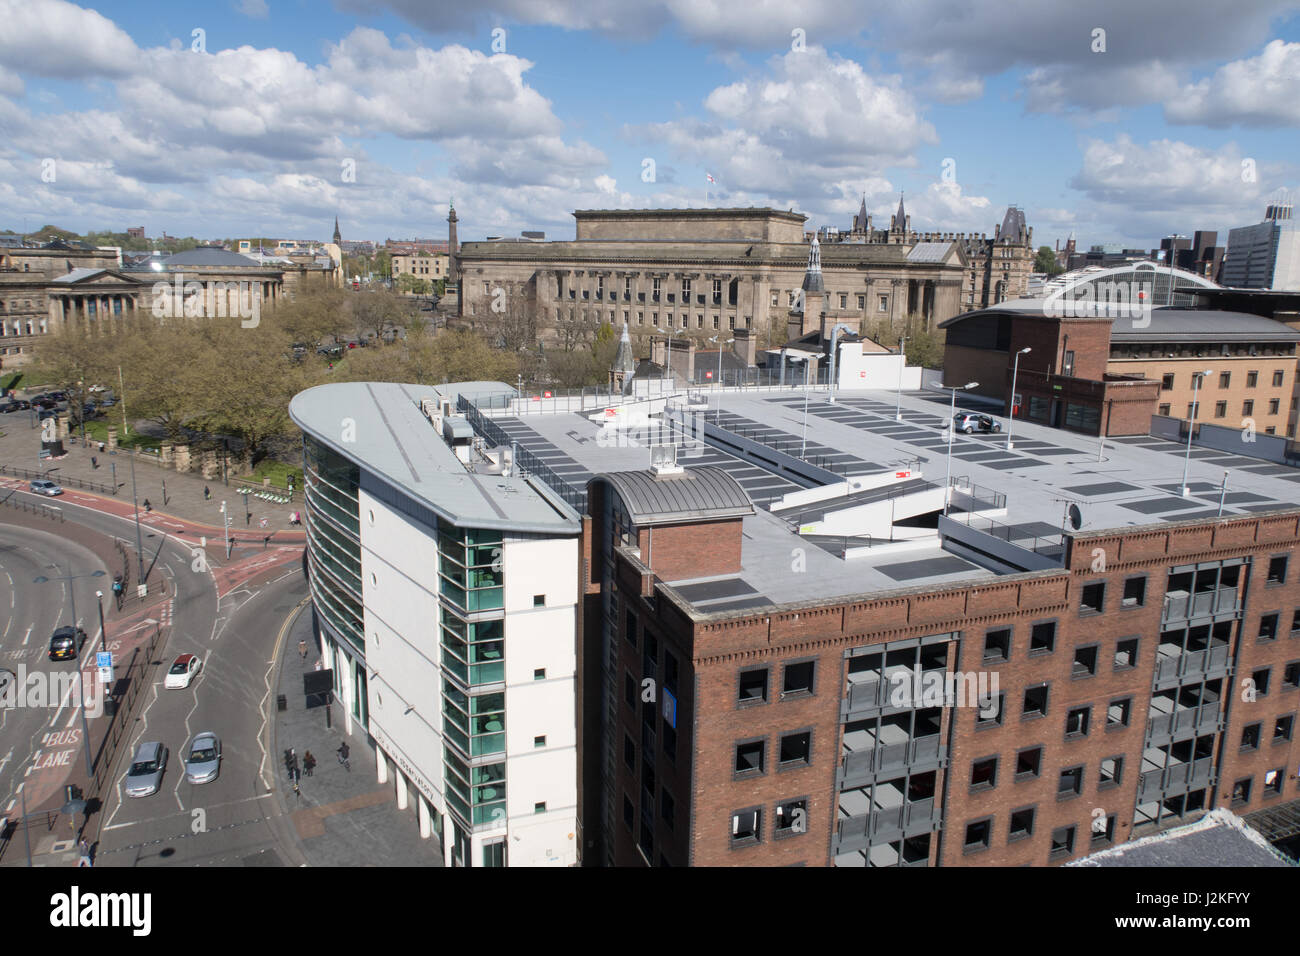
342 817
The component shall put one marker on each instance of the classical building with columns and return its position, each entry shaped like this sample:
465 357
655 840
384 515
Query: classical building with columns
703 271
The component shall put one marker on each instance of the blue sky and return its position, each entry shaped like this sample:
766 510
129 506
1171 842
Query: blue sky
1172 119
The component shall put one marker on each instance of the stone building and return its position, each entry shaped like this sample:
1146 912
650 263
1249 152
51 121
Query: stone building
700 272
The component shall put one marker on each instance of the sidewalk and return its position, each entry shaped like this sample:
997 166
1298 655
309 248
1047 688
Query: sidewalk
342 818
184 499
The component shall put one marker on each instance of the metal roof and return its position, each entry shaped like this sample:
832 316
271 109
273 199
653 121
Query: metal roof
929 252
1203 325
208 256
695 494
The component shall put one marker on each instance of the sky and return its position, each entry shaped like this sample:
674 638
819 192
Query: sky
1117 120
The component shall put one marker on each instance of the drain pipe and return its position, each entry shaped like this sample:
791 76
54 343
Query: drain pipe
835 335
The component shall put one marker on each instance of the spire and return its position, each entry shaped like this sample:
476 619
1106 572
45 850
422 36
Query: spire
812 280
624 367
338 237
860 225
901 219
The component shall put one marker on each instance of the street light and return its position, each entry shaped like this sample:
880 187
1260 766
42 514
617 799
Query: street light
807 364
1015 369
719 381
81 679
668 349
1191 426
954 389
139 541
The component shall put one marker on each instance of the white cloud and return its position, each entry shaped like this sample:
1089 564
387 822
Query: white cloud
1259 91
256 9
57 39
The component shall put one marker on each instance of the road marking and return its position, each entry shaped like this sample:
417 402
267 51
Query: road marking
28 635
263 733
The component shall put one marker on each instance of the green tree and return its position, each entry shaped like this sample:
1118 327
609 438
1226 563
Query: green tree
1045 261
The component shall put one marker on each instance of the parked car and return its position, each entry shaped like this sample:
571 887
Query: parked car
182 671
66 642
967 422
15 405
203 759
146 773
43 486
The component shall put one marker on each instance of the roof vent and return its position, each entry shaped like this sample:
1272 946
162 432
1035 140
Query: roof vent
663 461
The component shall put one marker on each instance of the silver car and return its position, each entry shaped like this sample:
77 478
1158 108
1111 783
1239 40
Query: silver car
43 486
146 773
203 760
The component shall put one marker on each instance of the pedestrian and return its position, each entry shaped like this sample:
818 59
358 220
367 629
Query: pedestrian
207 493
319 666
101 448
94 462
302 649
147 506
343 754
308 762
118 589
83 855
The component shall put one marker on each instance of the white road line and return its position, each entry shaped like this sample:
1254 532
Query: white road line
28 635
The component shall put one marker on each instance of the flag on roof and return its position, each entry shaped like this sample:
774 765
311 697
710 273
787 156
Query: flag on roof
709 178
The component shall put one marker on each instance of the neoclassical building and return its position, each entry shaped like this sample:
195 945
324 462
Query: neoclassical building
700 272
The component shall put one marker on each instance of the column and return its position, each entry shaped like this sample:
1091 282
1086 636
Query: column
403 791
381 765
448 838
422 813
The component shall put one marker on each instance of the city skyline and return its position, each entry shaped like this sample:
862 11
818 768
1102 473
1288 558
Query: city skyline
272 119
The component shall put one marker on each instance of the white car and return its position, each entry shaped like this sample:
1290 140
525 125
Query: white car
182 671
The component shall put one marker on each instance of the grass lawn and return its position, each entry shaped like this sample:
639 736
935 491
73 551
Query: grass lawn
9 381
278 472
97 430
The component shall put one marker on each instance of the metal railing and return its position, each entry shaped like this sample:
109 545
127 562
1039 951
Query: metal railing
1190 663
29 475
1201 717
525 462
120 723
1039 544
18 503
1180 777
1181 606
887 820
862 763
978 497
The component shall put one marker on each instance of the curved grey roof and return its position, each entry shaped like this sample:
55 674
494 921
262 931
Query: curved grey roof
695 494
209 256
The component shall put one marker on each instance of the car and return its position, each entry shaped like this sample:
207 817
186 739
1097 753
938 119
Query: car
43 486
14 405
203 758
182 671
48 413
66 642
967 422
147 767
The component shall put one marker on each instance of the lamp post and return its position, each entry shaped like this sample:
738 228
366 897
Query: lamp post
1015 369
954 389
668 349
1169 293
719 381
225 523
898 401
806 360
1191 426
81 680
139 540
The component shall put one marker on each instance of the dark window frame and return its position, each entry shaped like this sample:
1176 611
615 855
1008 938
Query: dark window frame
788 832
1006 653
1136 641
785 765
1018 774
1063 795
754 839
1012 835
967 847
1124 604
1088 610
1046 686
761 770
1075 673
811 691
1116 779
990 784
1086 710
742 702
1051 648
1114 726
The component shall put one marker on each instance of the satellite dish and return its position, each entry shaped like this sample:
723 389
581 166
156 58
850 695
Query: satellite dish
1076 516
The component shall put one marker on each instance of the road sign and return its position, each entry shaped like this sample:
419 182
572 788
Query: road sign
105 675
103 659
262 522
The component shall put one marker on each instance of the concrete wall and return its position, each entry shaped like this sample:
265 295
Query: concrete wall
1239 441
875 370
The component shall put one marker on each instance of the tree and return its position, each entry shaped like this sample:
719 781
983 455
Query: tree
378 311
1045 261
413 285
316 312
72 359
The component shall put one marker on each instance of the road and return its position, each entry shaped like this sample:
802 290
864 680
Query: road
228 613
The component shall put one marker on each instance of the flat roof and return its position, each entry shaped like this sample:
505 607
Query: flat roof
1220 838
1131 483
390 437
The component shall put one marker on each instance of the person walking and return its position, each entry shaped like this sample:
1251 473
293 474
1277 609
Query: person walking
343 755
308 763
118 591
302 649
147 507
94 462
207 493
83 855
101 448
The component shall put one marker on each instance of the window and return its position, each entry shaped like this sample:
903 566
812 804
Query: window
629 814
539 807
1022 824
1250 737
1273 782
798 678
994 719
1118 713
1283 728
746 827
796 749
1042 638
1224 379
1126 652
1272 406
1092 598
539 742
1278 377
792 817
862 302
1248 407
984 774
1241 791
1295 624
1291 675
1085 661
978 835
629 630
629 689
1164 410
1277 570
1252 379
1111 773
1062 842
1260 679
1220 409
1070 783
539 600
844 300
1267 628
539 673
753 687
1029 763
1035 703
629 752
1135 592
1103 831
1077 722
666 808
749 758
1167 382
997 645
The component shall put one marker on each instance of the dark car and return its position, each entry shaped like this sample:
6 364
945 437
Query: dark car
967 422
66 642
